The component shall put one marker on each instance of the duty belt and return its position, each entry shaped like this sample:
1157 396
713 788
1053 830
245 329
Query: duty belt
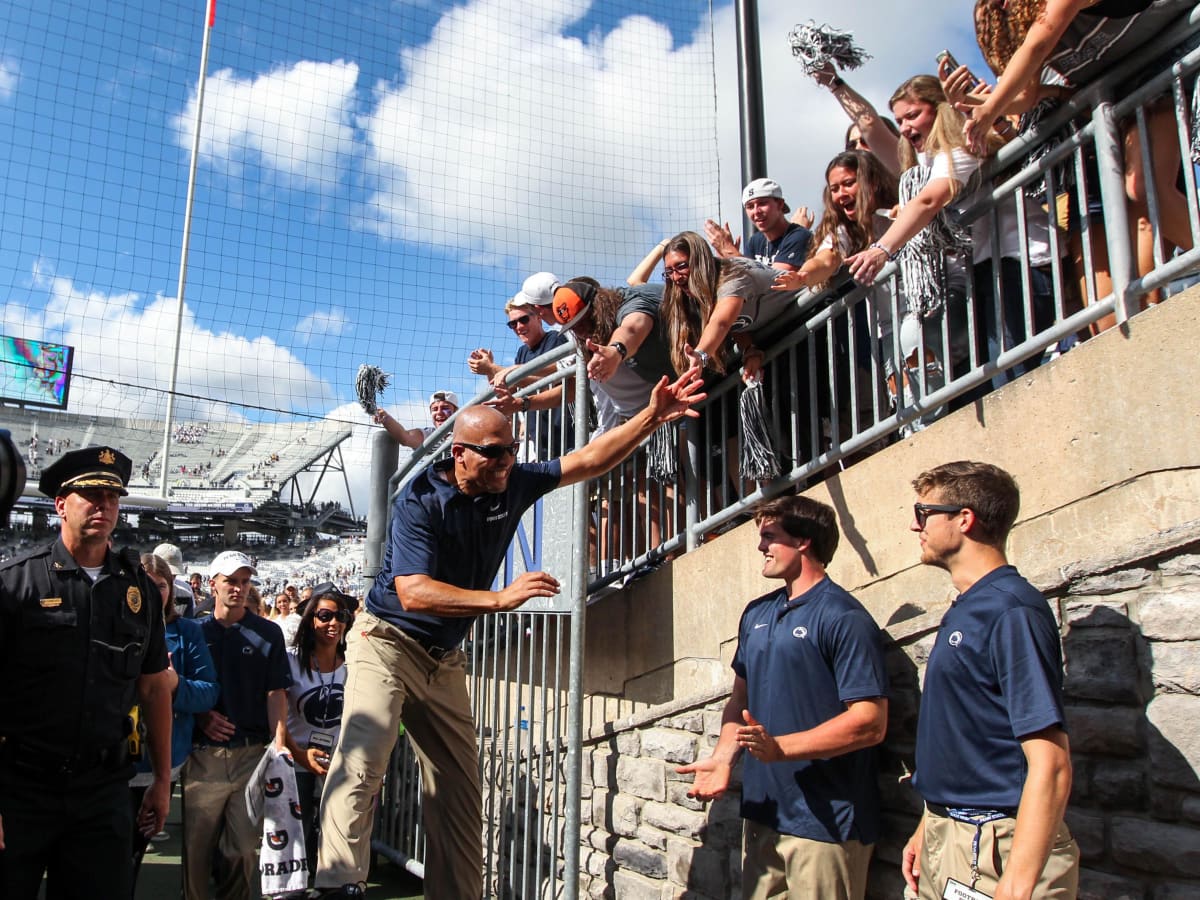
25 757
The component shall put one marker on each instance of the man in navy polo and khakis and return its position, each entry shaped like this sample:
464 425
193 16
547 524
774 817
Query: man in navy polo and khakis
809 703
993 761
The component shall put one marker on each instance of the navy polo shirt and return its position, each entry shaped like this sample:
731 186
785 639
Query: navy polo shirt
803 660
251 660
994 675
439 531
791 247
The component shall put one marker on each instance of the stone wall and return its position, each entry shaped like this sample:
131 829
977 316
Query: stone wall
1131 638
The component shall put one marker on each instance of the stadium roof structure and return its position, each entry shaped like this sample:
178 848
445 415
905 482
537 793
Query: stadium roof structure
218 471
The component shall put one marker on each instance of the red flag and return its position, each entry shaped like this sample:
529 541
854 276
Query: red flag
212 13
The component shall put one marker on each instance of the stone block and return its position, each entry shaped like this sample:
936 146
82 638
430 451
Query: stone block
1164 850
600 814
1171 614
629 743
1112 582
670 745
1105 730
677 793
1175 666
1176 891
1095 885
623 819
604 769
691 721
675 819
652 837
1101 664
712 722
695 867
631 886
598 865
1174 740
1119 785
1184 564
645 778
599 889
1088 830
640 858
1094 612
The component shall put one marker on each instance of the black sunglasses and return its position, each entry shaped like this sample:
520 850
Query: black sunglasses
922 511
490 451
325 616
519 320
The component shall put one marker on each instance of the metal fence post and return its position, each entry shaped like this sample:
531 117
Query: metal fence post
1110 162
574 760
691 483
385 455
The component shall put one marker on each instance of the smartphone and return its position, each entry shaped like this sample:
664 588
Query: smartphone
953 64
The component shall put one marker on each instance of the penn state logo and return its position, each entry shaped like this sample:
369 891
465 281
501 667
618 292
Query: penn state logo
295 807
287 758
277 840
741 323
321 706
800 632
955 638
273 787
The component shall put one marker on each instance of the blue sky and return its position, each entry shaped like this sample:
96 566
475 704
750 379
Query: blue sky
376 177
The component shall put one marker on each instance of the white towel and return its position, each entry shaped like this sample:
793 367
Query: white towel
272 796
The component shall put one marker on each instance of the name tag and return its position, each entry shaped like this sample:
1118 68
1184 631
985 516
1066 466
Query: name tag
956 890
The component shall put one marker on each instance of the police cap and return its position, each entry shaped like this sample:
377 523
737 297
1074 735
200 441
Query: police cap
91 467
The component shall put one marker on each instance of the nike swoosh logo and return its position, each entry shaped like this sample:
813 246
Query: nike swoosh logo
760 625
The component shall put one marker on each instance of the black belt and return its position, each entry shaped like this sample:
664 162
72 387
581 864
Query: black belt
232 744
25 757
938 810
438 653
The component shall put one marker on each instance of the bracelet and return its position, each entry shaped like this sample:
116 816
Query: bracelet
620 348
704 358
886 252
526 402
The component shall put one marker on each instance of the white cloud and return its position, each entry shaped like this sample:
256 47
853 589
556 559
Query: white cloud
9 75
321 324
120 340
294 120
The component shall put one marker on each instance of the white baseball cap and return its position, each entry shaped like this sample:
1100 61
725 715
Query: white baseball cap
172 556
229 562
763 187
538 290
445 397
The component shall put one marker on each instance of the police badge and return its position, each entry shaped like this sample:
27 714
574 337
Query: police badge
107 457
133 599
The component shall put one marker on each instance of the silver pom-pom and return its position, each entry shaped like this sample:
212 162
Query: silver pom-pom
817 45
369 385
758 462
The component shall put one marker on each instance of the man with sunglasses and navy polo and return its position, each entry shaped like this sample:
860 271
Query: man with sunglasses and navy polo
450 528
993 761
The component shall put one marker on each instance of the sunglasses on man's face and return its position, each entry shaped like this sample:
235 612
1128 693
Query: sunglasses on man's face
491 451
922 511
325 616
519 320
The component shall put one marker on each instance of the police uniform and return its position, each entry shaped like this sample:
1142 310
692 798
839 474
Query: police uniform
71 652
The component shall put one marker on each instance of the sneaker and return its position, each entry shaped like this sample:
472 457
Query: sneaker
160 837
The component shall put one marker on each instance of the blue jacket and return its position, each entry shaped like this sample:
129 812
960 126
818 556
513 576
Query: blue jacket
198 688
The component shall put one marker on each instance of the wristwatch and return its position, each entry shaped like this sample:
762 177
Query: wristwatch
525 403
620 348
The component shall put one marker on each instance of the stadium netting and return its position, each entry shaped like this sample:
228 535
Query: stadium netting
374 181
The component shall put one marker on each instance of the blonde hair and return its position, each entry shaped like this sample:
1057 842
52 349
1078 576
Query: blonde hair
946 135
684 315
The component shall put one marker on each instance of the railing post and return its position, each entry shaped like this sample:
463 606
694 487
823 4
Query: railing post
1110 162
691 482
385 455
574 761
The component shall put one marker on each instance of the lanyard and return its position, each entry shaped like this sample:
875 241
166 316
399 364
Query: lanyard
978 818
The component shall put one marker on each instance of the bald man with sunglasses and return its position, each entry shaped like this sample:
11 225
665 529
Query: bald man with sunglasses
450 528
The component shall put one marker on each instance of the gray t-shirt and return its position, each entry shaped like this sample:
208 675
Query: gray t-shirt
752 282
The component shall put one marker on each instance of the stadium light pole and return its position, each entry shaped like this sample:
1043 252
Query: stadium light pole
210 15
750 97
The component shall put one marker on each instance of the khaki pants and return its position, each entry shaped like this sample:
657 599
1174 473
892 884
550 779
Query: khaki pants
780 865
215 818
946 853
391 678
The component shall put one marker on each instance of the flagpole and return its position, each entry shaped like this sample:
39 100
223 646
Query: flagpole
210 18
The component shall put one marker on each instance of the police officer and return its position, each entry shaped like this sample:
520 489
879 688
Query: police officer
81 638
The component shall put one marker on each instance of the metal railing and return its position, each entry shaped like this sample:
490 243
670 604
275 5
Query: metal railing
839 386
